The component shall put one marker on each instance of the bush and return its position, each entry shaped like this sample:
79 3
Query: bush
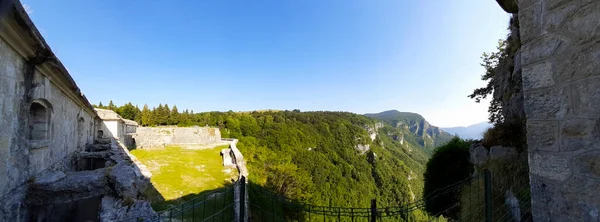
508 133
448 165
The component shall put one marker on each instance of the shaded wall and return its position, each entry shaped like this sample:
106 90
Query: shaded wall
70 126
561 82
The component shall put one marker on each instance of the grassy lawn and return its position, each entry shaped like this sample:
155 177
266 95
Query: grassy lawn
180 174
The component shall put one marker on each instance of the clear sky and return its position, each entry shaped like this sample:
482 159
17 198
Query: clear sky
360 56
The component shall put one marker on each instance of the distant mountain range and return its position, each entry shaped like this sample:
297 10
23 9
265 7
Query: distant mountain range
474 131
425 134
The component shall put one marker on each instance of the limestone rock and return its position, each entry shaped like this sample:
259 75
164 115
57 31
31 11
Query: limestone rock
74 186
479 154
499 152
50 177
363 148
123 178
113 209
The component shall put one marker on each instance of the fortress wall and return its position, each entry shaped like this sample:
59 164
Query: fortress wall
560 55
158 137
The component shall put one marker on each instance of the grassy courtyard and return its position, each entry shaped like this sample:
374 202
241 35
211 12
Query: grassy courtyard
180 174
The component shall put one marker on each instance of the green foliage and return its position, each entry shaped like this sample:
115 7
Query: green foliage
448 165
414 128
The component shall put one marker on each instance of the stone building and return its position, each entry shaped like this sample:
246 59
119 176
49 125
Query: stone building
44 118
560 58
112 125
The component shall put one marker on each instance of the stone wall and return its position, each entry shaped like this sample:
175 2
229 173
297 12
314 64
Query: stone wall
561 81
67 123
157 137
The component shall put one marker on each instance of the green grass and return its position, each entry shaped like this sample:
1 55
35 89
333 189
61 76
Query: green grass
178 174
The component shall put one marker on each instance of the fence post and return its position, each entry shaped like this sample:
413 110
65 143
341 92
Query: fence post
373 210
488 195
243 199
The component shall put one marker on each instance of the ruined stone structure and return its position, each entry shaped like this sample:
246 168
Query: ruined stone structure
159 137
43 116
560 57
53 164
112 125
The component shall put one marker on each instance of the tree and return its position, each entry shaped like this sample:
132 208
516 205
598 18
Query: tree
490 63
448 165
146 116
100 105
112 106
127 111
174 118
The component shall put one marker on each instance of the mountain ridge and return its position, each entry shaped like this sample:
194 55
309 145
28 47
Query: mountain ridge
474 131
426 135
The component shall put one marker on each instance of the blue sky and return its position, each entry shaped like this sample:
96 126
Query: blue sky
344 55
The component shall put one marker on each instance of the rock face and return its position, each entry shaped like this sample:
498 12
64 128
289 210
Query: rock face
561 74
113 209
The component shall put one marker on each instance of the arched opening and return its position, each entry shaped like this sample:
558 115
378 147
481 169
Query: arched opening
39 122
81 140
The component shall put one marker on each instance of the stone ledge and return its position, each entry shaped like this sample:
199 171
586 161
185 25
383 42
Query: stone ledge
38 144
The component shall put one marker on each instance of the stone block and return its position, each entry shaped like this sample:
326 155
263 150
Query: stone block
548 104
582 202
543 47
523 4
586 98
579 63
500 152
557 14
583 26
588 164
542 135
530 22
479 154
538 75
543 198
579 134
551 166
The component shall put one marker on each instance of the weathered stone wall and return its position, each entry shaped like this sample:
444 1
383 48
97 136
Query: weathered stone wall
70 127
560 55
153 137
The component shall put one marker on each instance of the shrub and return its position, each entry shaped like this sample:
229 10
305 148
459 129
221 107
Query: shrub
448 165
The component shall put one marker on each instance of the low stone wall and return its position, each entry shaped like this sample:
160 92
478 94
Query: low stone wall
159 137
238 159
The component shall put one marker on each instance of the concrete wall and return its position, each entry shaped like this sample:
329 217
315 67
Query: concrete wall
561 82
70 126
149 137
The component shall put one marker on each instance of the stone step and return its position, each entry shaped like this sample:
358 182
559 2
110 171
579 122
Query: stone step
97 147
102 141
61 188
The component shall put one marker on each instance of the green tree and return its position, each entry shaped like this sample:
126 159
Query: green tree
448 165
490 62
112 106
174 118
127 111
146 116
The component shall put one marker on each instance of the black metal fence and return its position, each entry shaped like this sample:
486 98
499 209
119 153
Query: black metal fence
217 205
500 192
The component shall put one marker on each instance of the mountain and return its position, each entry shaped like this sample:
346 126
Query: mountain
326 158
425 134
474 131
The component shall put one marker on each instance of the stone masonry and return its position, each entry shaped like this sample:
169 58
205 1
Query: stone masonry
560 55
159 137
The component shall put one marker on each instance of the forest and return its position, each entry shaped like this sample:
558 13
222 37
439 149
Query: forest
312 156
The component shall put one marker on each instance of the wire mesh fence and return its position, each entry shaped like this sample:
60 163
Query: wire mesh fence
498 192
217 205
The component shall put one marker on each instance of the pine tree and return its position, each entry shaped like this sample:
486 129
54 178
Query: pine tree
167 113
138 115
174 117
146 116
112 106
100 105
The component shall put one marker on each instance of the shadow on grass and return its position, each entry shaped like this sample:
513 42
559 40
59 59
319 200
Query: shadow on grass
214 205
